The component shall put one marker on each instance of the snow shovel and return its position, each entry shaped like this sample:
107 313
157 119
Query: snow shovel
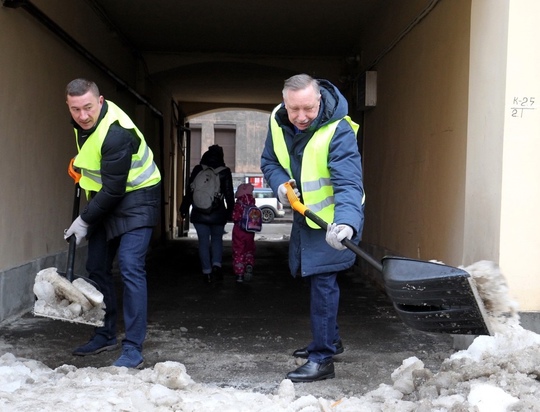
427 296
72 241
66 296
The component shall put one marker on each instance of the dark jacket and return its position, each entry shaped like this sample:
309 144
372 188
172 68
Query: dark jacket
224 210
309 253
119 211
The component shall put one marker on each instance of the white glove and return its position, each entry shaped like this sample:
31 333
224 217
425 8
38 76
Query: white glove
79 228
336 233
282 192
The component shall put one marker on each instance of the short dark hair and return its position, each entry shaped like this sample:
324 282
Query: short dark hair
78 87
300 82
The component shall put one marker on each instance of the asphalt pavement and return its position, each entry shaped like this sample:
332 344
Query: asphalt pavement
243 335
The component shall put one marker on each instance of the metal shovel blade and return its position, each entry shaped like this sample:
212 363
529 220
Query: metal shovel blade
96 323
58 298
63 295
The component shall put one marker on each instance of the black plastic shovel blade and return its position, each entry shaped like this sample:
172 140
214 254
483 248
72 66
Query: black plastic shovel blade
427 296
434 297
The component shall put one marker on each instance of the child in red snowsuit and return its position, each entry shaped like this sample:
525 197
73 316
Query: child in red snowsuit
243 242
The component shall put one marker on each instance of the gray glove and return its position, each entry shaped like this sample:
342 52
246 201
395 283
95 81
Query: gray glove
79 228
282 192
336 233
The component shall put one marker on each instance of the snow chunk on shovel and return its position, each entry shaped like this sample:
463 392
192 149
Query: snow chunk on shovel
58 298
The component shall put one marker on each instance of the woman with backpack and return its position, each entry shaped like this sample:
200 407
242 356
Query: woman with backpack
213 203
247 220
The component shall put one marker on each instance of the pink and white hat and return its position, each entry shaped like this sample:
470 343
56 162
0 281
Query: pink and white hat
244 189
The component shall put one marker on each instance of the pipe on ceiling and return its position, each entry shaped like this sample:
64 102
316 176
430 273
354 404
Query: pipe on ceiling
401 35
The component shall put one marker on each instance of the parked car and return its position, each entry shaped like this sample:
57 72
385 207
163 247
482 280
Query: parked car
270 206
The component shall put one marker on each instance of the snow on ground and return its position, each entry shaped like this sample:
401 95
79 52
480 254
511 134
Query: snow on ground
496 373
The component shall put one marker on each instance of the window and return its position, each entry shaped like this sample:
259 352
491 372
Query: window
225 136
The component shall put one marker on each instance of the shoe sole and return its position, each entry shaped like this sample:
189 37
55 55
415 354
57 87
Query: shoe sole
139 366
103 349
321 378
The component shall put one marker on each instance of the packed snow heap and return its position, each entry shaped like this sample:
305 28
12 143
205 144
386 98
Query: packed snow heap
496 373
58 298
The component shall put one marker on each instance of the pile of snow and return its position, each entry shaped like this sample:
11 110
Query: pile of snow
493 290
58 298
496 373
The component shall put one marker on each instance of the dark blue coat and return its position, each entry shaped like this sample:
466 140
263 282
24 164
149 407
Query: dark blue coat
309 253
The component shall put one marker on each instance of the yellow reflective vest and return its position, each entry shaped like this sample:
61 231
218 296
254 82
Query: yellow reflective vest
143 171
317 189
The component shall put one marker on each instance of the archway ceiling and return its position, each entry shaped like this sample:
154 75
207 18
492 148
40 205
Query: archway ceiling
237 53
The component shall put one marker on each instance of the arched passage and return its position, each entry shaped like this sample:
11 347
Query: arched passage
241 132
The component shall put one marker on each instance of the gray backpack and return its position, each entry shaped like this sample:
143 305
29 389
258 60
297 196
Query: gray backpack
206 189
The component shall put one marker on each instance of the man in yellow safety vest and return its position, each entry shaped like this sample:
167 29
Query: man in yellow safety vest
312 144
122 184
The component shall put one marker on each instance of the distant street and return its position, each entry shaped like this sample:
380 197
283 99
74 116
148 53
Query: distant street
279 229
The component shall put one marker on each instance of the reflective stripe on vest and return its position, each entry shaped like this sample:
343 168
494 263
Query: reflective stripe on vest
143 171
317 189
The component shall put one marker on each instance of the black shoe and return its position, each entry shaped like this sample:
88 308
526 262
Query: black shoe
312 371
207 277
303 352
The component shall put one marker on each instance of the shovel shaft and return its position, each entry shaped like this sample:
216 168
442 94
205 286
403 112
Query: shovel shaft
71 258
360 252
72 239
303 210
76 201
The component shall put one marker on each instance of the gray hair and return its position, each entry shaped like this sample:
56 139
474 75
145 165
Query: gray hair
300 82
78 87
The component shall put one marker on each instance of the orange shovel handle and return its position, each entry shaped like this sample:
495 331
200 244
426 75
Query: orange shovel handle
71 171
304 211
297 205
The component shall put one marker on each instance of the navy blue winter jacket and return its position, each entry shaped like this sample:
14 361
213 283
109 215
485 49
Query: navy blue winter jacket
309 253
